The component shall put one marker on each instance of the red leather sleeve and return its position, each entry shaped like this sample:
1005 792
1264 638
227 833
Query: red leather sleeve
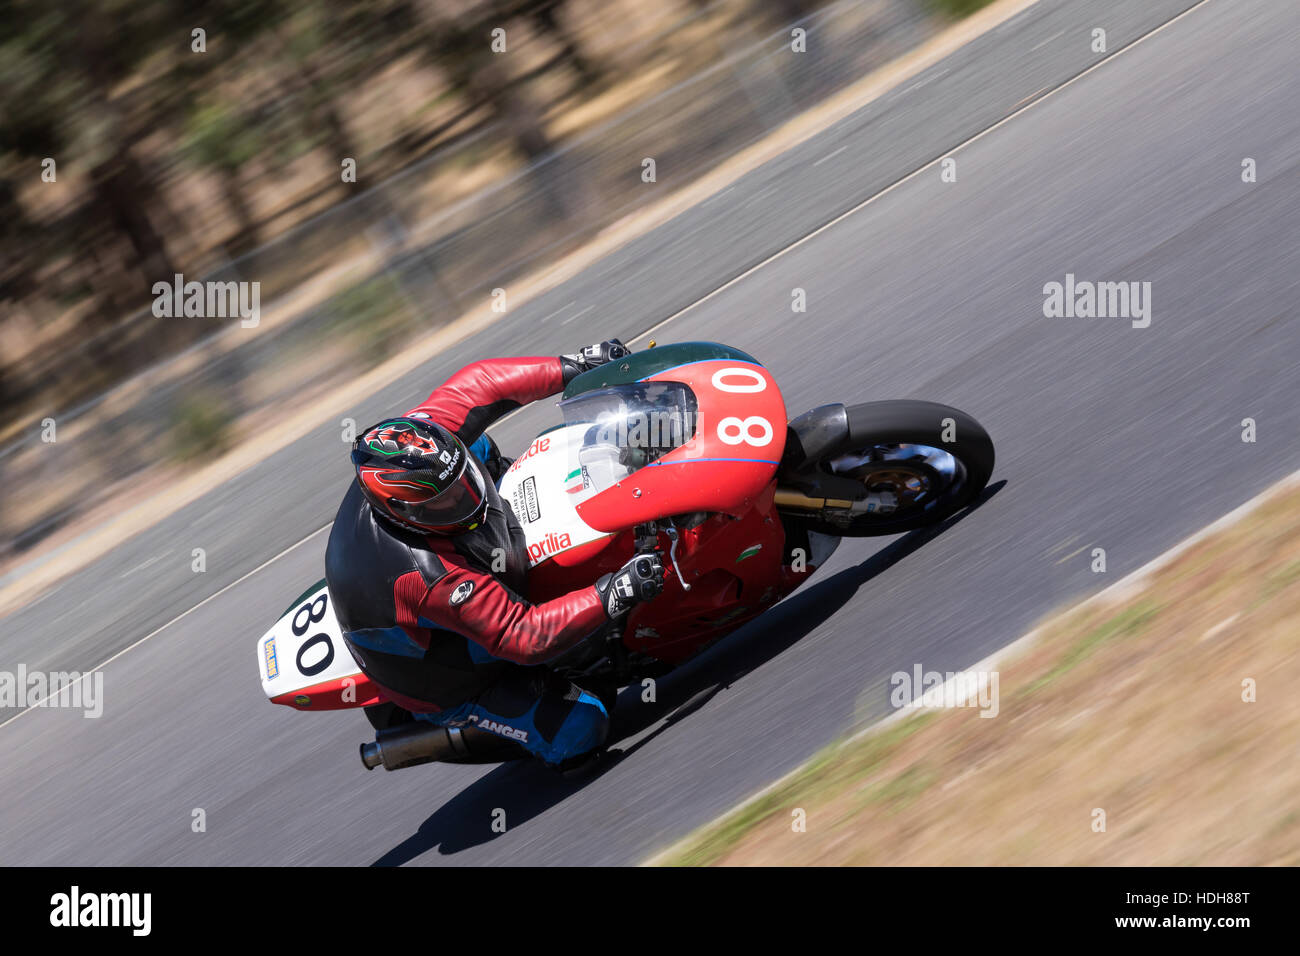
476 605
480 393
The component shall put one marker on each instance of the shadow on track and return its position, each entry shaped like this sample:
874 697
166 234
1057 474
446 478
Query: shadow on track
524 789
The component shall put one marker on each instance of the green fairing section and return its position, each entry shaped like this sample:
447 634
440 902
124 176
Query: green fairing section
304 596
649 362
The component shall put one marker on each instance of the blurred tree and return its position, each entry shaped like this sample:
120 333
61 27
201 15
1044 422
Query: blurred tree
114 93
548 17
110 40
461 48
304 47
221 140
62 65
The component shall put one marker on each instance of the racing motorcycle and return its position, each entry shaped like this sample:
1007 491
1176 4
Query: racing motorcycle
684 450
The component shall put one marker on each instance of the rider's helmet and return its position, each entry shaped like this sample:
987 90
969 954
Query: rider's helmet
418 474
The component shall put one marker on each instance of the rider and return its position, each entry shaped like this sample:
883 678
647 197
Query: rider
427 566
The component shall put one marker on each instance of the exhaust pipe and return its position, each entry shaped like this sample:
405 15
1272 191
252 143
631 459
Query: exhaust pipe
412 744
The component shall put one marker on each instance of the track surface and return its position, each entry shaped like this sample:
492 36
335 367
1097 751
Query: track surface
1107 436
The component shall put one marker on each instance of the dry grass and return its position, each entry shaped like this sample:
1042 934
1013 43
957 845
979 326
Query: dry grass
1134 707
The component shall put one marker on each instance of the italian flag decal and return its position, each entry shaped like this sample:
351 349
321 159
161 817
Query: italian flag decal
749 552
573 481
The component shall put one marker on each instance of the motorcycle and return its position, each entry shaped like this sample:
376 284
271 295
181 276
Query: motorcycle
684 450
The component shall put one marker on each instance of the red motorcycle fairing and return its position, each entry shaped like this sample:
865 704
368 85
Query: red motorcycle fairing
739 436
734 566
338 694
733 560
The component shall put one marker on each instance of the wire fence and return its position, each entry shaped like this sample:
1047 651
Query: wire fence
345 289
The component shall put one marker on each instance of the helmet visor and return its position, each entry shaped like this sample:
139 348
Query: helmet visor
457 507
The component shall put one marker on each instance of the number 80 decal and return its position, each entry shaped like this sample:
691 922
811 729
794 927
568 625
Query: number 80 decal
754 430
315 611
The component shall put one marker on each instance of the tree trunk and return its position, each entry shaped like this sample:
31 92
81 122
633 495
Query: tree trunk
245 237
546 19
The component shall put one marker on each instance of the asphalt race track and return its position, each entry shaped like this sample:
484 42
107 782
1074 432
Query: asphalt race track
1107 436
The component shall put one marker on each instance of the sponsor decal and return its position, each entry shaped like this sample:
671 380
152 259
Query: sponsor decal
272 667
548 546
536 448
749 552
451 461
497 727
524 501
462 593
302 700
578 480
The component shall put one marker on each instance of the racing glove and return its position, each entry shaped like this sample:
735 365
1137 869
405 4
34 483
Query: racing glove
639 580
588 358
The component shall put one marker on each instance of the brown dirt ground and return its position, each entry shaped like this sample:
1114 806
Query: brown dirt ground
1132 706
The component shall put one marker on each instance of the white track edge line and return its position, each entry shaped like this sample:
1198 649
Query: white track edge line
163 627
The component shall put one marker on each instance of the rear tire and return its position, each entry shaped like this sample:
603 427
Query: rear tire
899 445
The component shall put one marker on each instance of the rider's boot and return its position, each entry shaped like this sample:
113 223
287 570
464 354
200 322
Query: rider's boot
583 765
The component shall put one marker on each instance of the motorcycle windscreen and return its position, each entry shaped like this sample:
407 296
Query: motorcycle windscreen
626 427
656 448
